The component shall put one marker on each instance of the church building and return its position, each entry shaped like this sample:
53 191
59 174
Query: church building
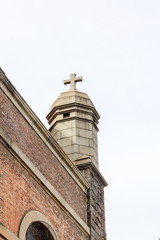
50 184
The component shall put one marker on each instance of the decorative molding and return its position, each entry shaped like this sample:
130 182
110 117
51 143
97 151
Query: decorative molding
7 234
35 216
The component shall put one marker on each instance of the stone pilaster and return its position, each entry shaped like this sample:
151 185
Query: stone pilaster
95 206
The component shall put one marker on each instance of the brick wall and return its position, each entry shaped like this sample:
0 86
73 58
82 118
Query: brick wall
21 193
19 130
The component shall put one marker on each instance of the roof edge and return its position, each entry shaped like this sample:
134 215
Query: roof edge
41 130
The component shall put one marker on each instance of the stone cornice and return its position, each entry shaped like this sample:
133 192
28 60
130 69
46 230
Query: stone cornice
86 162
77 105
73 118
74 107
41 130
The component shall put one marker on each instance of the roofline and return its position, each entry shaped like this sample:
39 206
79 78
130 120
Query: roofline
41 130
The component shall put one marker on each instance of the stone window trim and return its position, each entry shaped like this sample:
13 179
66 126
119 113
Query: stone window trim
35 216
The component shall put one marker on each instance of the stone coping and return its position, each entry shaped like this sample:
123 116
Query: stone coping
86 162
42 131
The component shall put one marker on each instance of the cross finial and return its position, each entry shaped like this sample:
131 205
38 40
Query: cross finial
73 79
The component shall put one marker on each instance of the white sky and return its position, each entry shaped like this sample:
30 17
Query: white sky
115 46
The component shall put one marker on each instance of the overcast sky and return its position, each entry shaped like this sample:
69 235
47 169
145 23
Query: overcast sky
115 46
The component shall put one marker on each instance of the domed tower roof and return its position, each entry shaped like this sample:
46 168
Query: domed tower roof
72 96
73 122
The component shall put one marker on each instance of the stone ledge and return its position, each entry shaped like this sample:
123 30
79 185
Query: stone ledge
86 162
7 234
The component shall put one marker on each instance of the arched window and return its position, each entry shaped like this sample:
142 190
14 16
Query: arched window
38 231
35 226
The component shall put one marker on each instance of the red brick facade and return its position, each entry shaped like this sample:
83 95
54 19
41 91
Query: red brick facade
21 193
35 149
21 190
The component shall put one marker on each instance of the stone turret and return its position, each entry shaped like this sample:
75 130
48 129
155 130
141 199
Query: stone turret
73 123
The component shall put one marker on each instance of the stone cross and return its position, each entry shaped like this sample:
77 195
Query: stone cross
73 79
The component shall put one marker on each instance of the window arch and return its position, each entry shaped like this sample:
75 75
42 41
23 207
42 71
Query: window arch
38 231
35 226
